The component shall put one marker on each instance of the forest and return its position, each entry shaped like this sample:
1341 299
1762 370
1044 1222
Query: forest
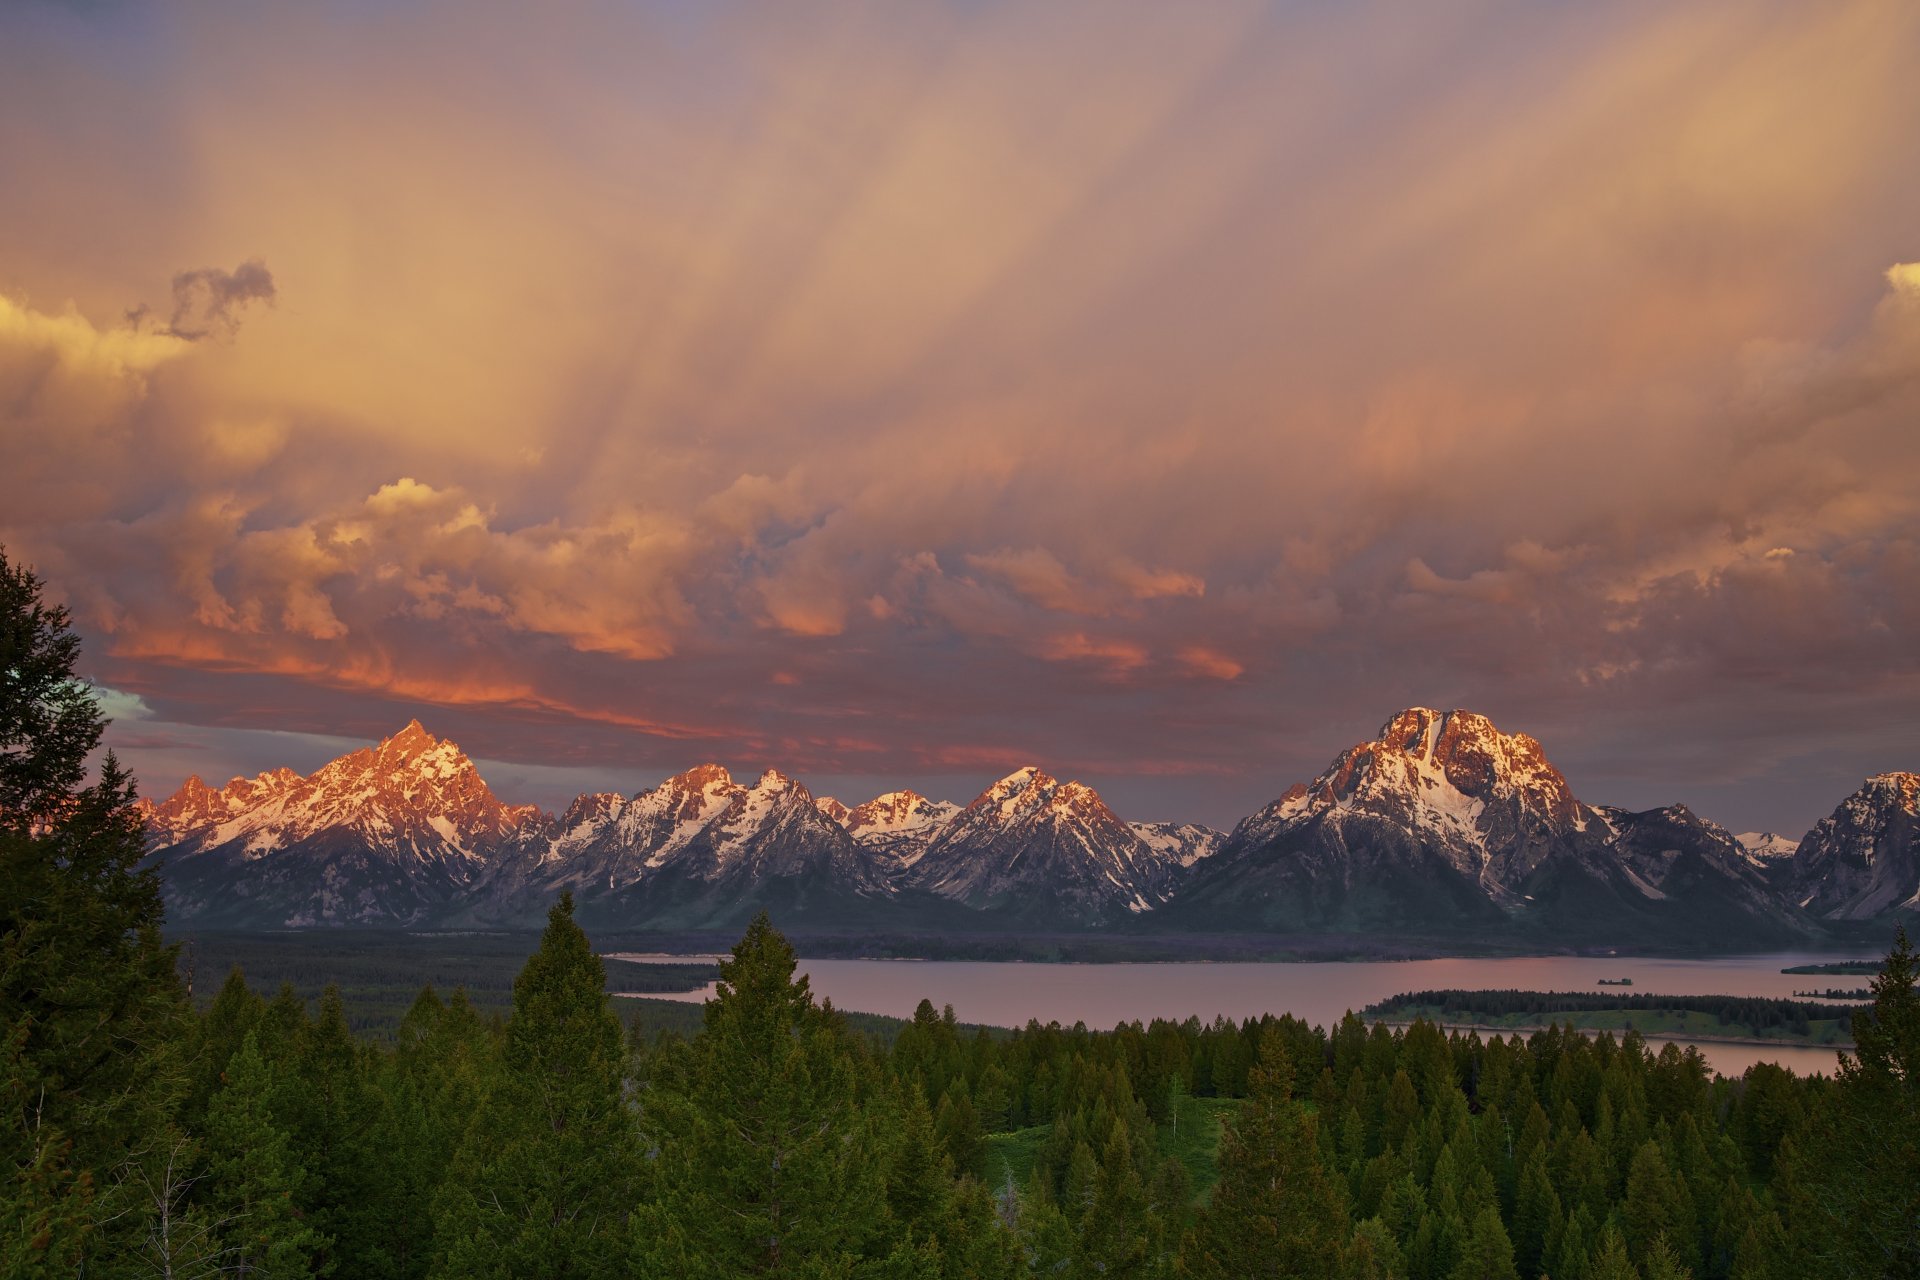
1762 1017
263 1137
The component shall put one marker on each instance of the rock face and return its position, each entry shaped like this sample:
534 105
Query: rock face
899 824
1443 825
699 849
386 835
1184 842
1034 848
1862 861
1766 847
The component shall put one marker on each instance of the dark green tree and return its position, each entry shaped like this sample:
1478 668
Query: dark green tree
768 1163
1486 1253
547 1175
1115 1237
252 1178
1275 1211
90 1005
1872 1188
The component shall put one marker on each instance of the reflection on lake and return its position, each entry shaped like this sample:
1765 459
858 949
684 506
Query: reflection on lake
1103 995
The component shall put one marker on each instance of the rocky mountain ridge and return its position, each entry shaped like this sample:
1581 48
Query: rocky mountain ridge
1440 825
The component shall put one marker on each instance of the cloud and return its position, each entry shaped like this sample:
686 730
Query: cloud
207 301
1199 660
80 349
866 396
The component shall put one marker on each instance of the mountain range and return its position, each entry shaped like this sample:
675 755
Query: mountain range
1440 827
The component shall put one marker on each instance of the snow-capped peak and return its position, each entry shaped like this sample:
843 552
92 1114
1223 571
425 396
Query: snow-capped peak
1764 846
901 823
1452 777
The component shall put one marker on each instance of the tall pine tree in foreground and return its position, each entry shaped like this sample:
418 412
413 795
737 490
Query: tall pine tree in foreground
89 1000
1871 1196
252 1177
768 1164
1274 1212
546 1176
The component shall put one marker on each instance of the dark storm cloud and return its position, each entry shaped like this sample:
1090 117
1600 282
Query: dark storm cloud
207 301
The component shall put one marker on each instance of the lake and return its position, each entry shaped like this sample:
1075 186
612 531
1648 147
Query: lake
1104 995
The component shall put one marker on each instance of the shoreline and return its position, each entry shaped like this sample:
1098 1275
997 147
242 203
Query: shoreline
1678 1037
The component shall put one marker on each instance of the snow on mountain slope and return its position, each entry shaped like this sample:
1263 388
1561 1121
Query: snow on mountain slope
1487 802
196 806
1764 847
386 833
1032 845
699 835
1442 823
1862 861
1183 842
900 823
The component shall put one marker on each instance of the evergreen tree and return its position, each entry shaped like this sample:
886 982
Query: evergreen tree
546 1177
1872 1182
1115 1236
959 1128
1610 1261
1374 1254
920 1180
330 1110
1274 1211
252 1177
768 1165
1487 1254
1536 1206
1648 1212
216 1037
90 1004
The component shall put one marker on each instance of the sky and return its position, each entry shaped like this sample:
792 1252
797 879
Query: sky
897 394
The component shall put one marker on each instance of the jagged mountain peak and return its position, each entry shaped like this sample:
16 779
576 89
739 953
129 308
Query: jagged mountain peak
1027 779
1453 767
1029 792
702 777
1767 846
832 808
591 810
1030 839
900 823
889 809
1862 860
1900 787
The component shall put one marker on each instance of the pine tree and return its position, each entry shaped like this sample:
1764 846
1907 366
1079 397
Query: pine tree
1116 1234
920 1177
90 1004
252 1177
959 1128
1274 1212
1872 1183
330 1110
1536 1206
546 1177
1374 1254
1487 1254
767 1163
215 1038
1610 1260
1648 1212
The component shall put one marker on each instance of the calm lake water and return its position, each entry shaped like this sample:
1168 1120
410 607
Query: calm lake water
1104 995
